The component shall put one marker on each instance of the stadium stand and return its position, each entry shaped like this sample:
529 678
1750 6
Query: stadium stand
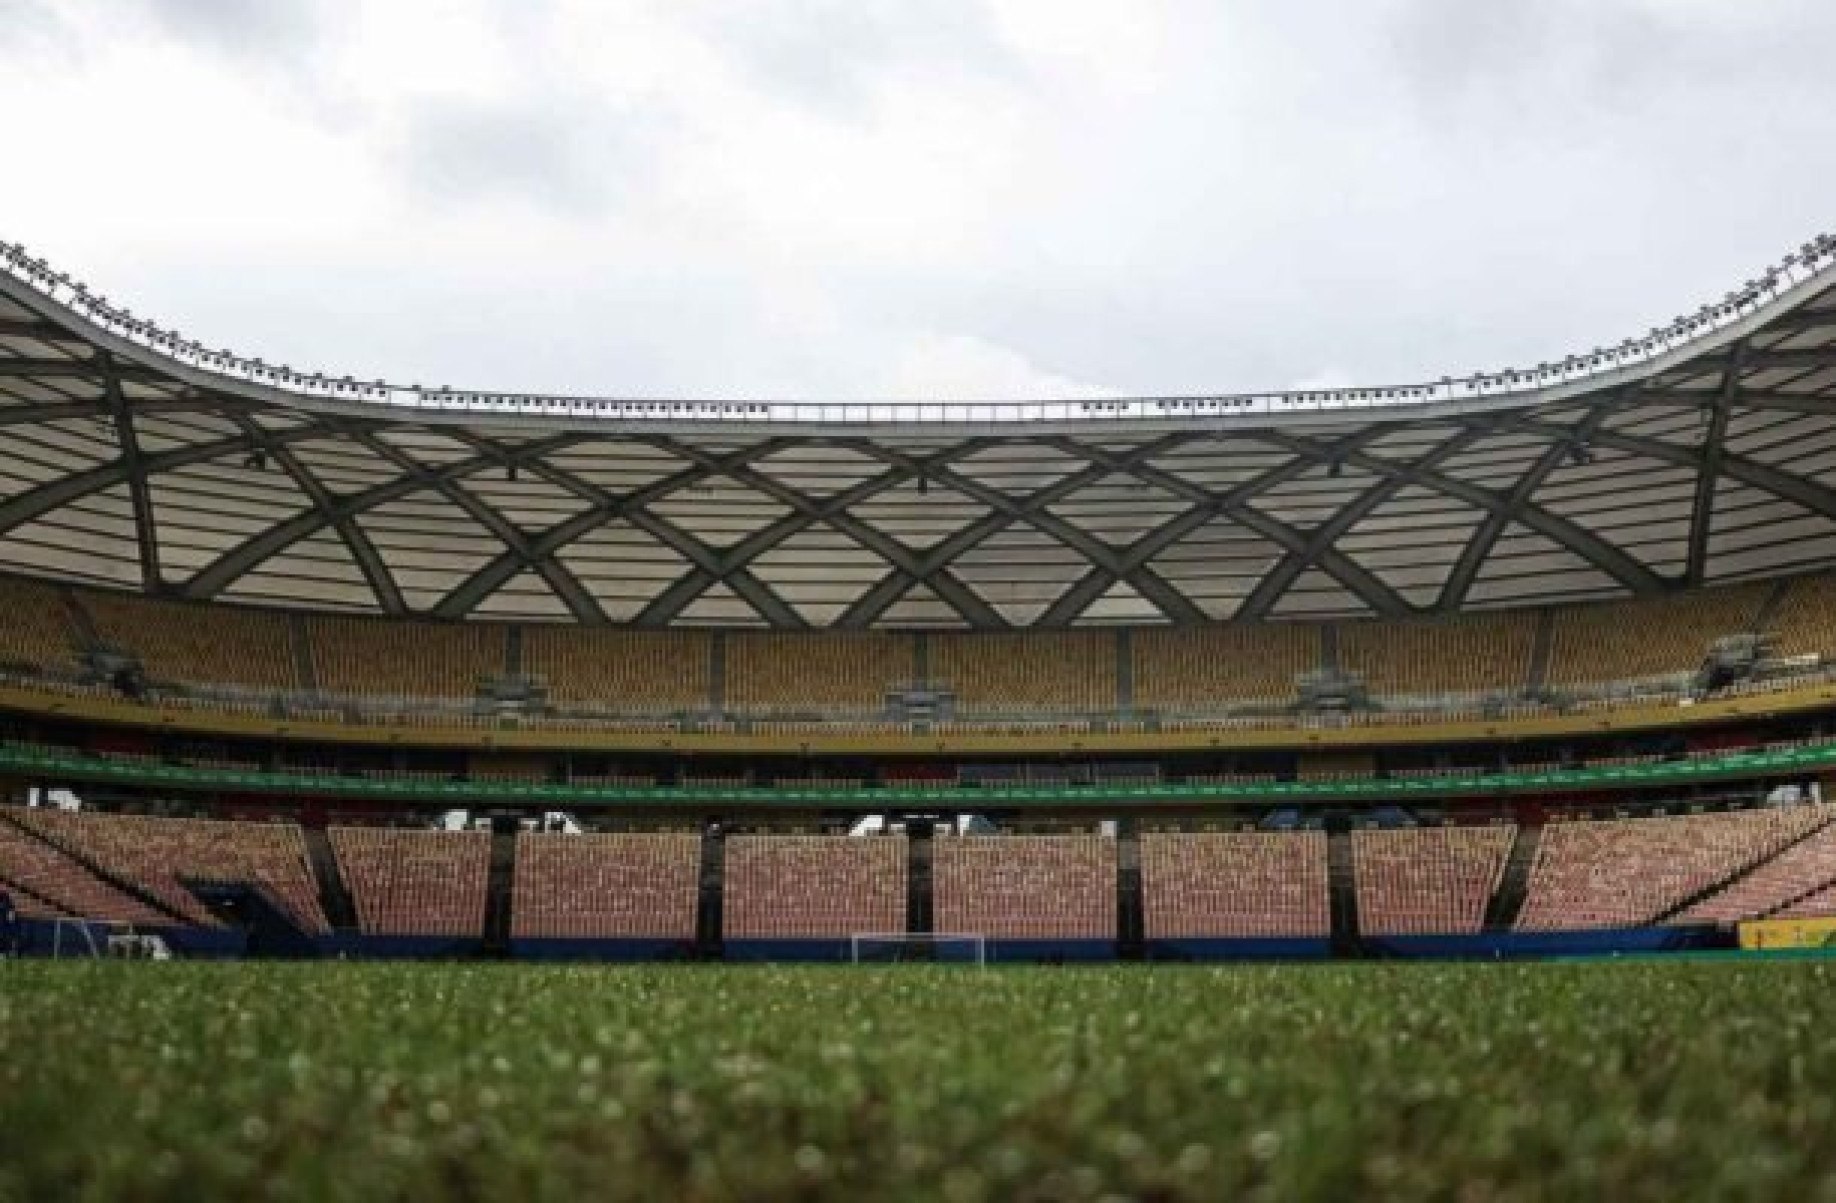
407 882
1034 670
1202 666
34 627
1805 622
845 670
1627 872
1428 880
1234 884
1472 654
158 856
815 886
1798 872
658 670
606 886
232 645
1815 905
1025 887
36 871
409 660
1644 638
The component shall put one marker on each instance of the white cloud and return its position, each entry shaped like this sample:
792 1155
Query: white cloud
839 198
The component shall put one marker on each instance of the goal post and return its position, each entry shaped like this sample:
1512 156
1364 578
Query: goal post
896 948
96 939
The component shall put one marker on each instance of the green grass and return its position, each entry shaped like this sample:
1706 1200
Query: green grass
1634 1080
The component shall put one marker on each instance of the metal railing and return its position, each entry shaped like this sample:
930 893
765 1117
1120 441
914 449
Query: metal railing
1811 260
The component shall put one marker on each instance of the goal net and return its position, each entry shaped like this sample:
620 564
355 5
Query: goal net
892 948
98 938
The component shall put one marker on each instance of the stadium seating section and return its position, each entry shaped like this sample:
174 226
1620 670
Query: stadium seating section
1429 880
415 883
1460 655
1795 874
157 857
791 887
995 676
1710 868
1198 666
44 881
606 886
638 670
1020 887
1034 670
1217 885
1633 640
1627 872
233 645
388 659
842 670
34 626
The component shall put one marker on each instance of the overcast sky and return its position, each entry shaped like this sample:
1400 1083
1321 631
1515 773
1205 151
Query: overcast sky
845 198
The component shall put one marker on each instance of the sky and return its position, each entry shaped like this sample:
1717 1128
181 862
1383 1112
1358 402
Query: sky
904 199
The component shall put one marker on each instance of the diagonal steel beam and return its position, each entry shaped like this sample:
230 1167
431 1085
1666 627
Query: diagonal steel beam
146 530
1709 474
579 602
369 561
233 563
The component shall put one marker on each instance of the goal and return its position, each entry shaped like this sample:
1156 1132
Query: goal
98 938
891 948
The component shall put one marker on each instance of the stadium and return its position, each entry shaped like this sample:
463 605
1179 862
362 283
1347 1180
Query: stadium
1520 663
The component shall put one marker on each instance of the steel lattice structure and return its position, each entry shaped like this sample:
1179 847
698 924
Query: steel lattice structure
1702 453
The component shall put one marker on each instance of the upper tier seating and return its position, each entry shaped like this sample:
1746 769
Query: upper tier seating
1630 640
415 883
1799 870
1032 670
34 626
419 660
1627 872
34 869
606 886
1805 622
1470 654
639 670
1430 880
1025 887
844 670
1202 666
815 886
231 645
159 855
1229 884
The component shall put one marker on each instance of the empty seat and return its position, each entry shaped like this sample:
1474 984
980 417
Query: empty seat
415 883
1234 885
790 887
1049 887
606 886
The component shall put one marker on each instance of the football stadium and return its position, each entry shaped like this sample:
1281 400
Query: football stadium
1529 666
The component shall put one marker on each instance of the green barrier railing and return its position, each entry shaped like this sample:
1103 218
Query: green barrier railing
59 766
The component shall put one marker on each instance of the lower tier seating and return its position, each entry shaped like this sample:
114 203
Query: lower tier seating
606 886
1234 884
1798 872
415 883
816 886
45 883
159 856
1626 872
1027 887
1429 880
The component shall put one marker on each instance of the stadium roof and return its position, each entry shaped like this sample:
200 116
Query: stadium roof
1702 452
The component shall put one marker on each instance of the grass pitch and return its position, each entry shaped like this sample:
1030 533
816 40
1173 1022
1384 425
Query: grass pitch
418 1082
